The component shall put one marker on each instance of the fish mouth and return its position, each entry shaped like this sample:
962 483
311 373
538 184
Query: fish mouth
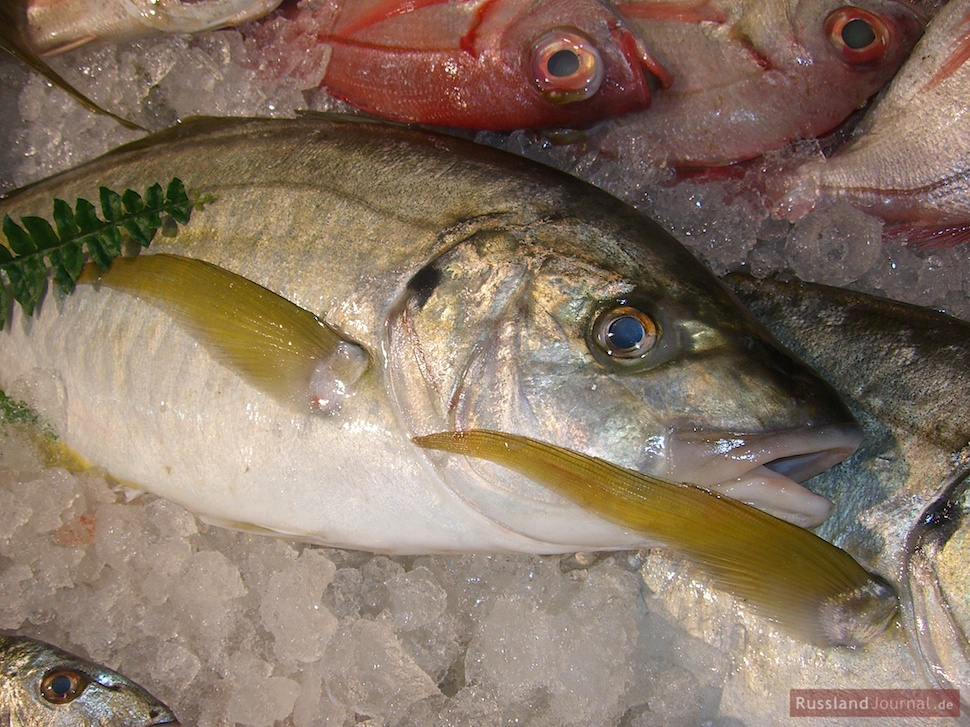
765 470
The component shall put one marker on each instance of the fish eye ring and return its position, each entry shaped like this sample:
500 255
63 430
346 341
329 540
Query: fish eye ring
858 36
61 686
624 333
566 66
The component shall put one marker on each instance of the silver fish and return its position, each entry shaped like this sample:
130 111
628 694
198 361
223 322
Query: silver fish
355 285
909 162
43 686
901 498
58 26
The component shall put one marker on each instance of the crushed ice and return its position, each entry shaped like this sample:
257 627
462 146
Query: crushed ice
228 627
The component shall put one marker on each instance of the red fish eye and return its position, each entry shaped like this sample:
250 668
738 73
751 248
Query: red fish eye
63 685
859 36
566 66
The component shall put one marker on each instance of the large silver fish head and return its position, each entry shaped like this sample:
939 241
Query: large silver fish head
606 336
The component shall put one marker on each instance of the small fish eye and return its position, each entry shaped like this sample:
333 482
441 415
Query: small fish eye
63 685
625 334
566 66
859 36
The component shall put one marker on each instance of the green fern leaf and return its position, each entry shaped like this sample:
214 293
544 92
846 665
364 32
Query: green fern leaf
19 240
38 250
64 220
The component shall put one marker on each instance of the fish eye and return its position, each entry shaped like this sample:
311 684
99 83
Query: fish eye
63 685
566 66
859 36
624 333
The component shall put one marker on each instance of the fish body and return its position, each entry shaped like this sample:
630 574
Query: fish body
43 686
901 503
481 64
909 162
451 287
58 26
751 76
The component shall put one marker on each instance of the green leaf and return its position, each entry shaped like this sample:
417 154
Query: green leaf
110 204
64 220
40 231
179 201
19 240
38 250
87 217
27 282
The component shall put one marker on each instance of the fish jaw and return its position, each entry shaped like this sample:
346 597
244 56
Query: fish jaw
769 467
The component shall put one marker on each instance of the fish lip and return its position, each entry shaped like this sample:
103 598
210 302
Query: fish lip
764 469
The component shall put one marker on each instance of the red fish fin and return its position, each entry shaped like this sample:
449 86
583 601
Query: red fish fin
929 236
672 11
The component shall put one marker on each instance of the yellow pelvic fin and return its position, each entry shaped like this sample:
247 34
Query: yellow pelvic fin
272 343
809 586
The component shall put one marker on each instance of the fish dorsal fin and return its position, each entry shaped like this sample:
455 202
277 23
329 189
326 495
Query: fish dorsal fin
269 341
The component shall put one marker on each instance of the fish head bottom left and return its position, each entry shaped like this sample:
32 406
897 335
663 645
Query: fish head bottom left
44 686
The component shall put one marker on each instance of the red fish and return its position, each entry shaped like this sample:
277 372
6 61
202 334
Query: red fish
749 76
910 162
482 64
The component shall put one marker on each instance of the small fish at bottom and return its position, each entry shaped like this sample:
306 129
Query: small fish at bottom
43 686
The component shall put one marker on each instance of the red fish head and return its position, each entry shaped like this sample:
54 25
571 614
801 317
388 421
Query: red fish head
861 41
489 64
575 74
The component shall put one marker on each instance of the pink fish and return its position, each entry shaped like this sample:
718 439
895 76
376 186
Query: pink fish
749 76
483 64
910 162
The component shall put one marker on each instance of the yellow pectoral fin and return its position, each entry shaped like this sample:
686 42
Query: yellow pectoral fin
272 343
784 572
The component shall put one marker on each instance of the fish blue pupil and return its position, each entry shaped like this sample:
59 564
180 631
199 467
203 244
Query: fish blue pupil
61 685
626 332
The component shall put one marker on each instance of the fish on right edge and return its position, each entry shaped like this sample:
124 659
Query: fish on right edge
902 498
909 161
44 686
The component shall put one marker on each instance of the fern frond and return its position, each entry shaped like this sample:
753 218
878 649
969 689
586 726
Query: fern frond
36 249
